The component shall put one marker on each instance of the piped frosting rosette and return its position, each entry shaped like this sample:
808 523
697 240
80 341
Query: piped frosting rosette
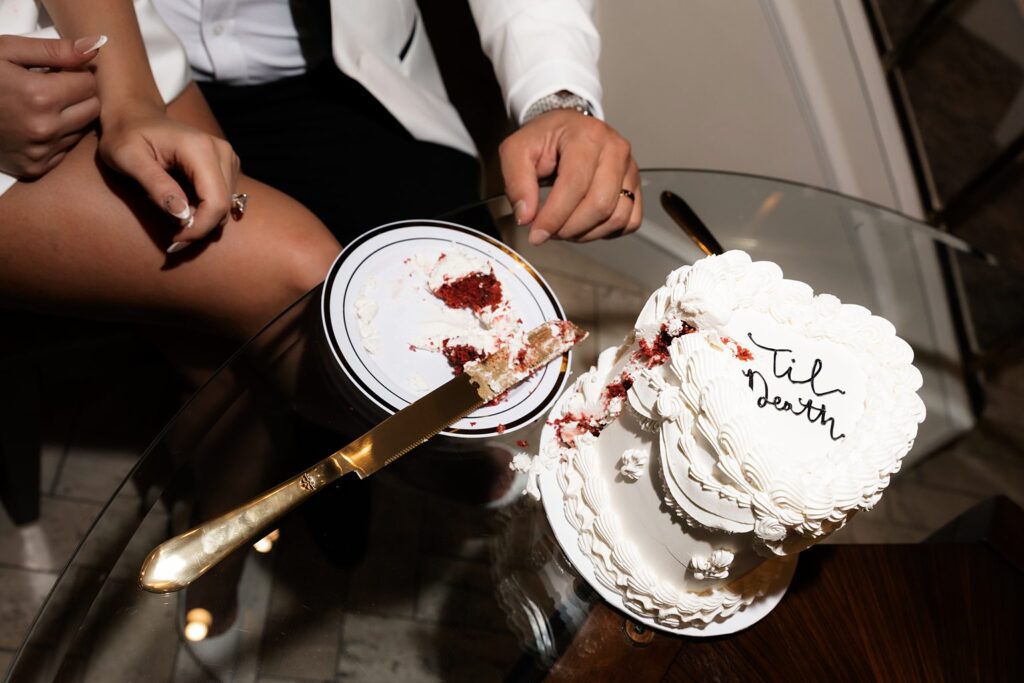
779 412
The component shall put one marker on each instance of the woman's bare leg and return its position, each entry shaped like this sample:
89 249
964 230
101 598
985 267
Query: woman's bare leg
85 240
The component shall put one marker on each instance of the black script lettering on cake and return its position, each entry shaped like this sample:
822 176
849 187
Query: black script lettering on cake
815 413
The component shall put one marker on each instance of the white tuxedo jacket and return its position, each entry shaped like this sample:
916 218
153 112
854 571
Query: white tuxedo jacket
537 47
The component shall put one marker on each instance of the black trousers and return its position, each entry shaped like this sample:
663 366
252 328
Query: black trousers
327 142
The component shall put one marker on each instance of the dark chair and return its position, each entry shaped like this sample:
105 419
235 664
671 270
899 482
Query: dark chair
20 434
28 342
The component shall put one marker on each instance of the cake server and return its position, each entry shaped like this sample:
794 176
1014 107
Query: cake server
179 561
685 217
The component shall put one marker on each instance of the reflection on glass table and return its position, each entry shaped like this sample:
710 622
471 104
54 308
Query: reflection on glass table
407 575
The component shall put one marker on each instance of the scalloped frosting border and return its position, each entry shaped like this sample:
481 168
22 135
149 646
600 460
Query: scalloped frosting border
618 565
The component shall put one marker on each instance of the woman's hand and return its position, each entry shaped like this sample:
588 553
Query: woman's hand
144 144
47 100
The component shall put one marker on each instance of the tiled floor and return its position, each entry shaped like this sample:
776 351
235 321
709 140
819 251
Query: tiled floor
86 455
368 625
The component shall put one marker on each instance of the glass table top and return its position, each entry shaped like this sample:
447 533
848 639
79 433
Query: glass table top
409 575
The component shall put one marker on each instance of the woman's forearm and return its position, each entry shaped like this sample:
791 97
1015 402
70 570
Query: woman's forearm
124 79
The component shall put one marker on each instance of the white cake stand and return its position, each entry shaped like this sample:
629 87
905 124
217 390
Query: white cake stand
568 539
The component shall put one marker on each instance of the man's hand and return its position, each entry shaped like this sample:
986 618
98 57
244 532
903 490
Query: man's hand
594 164
47 100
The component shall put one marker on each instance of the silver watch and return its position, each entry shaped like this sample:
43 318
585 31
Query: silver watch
563 99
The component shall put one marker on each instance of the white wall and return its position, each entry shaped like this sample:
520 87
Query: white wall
790 89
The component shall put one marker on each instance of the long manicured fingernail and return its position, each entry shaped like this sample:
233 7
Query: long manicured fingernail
538 237
176 247
177 207
519 209
89 44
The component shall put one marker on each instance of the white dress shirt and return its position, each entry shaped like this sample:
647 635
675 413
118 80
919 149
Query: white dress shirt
239 42
537 47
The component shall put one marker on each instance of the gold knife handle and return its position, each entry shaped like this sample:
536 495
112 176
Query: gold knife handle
179 561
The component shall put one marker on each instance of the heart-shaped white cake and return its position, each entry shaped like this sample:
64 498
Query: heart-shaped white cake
744 419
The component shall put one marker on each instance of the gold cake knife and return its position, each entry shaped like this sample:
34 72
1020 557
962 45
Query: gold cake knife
179 561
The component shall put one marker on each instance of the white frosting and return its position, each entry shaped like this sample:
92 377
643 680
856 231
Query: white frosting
521 462
366 311
714 566
458 326
782 475
417 383
670 403
633 464
452 265
619 563
663 593
774 420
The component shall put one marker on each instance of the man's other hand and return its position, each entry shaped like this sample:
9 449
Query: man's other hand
594 164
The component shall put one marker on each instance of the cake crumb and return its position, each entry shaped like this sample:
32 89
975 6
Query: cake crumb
476 291
458 355
740 352
656 351
620 388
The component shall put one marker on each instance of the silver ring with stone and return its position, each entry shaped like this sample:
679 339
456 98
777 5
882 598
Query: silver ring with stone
238 204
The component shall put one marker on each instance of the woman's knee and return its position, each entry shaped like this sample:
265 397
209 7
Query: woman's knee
294 258
305 252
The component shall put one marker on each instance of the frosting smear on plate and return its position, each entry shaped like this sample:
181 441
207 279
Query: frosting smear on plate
470 320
